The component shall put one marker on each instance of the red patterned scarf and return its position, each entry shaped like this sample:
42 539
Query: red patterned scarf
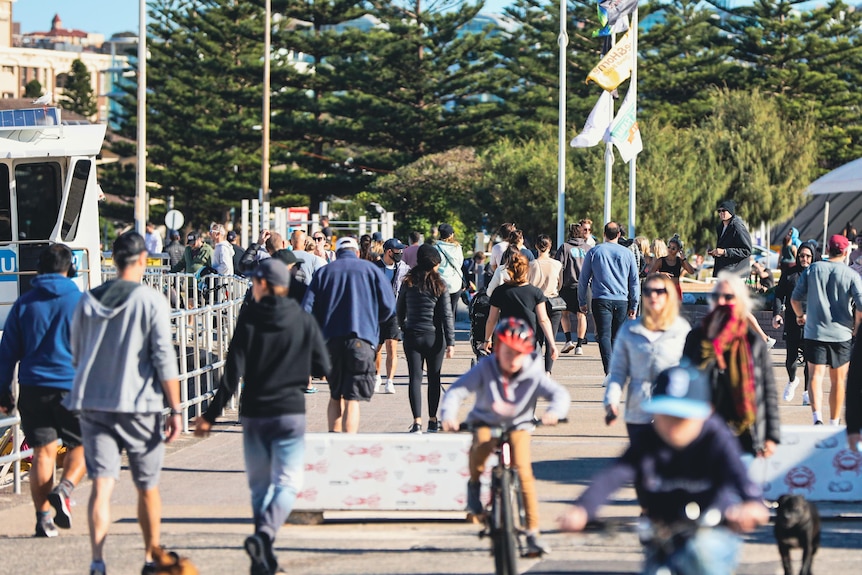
727 334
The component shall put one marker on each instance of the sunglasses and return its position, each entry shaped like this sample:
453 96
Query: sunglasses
318 238
648 291
722 211
722 296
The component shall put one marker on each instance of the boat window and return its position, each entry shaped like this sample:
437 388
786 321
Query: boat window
75 203
38 191
5 205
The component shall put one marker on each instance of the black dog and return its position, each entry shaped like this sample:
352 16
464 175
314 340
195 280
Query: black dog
797 525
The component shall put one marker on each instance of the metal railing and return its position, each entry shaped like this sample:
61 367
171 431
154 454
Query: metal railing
204 311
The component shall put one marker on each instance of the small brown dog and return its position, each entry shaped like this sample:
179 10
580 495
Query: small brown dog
169 563
797 526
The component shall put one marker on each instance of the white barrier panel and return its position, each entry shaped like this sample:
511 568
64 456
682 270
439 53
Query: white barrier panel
385 472
813 461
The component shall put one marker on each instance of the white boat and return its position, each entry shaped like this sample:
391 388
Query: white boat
48 194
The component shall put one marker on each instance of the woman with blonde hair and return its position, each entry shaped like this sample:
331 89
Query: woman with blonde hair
737 359
644 348
518 298
645 260
546 273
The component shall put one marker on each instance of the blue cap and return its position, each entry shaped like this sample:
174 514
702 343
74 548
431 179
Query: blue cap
681 392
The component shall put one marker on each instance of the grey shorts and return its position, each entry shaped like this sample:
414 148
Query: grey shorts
107 434
831 353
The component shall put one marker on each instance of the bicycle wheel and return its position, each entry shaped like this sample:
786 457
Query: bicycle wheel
503 536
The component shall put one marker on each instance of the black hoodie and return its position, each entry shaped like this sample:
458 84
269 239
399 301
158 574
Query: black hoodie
275 348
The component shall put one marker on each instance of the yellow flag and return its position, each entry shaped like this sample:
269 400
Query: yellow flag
615 67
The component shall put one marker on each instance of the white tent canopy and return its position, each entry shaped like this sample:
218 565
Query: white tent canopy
841 191
847 178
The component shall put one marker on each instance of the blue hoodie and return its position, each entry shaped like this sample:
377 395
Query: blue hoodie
37 335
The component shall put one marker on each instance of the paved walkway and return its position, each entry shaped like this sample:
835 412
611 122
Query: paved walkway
206 512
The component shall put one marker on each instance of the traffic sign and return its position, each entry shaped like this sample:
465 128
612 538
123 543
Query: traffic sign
174 219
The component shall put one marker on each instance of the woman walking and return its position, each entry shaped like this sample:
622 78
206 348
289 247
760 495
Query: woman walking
517 298
451 262
644 348
546 274
425 316
737 359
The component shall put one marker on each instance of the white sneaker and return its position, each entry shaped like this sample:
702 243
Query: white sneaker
579 350
390 386
805 400
770 343
790 389
377 383
569 346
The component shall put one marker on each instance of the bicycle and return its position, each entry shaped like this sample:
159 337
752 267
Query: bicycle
504 515
664 541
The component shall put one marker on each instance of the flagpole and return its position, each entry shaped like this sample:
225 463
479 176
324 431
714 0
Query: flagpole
141 153
634 87
609 157
563 41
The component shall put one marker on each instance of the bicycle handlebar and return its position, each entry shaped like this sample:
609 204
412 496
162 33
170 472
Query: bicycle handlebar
536 422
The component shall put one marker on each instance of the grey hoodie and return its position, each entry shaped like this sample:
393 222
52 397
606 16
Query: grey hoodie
525 388
122 350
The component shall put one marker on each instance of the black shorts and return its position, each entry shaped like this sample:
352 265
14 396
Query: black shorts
353 368
570 294
831 353
389 329
44 419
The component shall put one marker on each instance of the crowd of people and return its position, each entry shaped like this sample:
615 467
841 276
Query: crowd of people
693 393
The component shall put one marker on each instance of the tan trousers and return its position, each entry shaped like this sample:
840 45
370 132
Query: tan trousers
484 445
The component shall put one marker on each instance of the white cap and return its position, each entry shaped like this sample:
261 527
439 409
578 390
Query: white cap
346 242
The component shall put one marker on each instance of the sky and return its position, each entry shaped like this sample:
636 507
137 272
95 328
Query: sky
94 16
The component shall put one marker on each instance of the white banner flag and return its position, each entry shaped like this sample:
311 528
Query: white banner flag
597 124
624 132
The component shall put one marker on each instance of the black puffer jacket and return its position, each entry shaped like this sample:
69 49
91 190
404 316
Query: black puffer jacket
767 424
420 311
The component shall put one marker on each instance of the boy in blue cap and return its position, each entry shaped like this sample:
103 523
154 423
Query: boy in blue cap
688 464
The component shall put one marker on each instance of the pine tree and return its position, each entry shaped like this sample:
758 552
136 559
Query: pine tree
78 92
804 58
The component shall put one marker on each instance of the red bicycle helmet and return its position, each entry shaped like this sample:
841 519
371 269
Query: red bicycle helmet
517 334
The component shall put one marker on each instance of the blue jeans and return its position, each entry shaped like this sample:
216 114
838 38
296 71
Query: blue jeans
710 552
274 448
609 315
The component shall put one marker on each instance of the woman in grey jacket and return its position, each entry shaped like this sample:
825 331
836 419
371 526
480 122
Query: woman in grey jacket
425 316
644 348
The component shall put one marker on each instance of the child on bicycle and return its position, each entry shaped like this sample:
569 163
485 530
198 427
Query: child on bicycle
507 384
687 464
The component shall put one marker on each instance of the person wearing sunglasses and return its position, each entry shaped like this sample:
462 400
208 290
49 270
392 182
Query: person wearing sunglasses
739 367
733 247
673 264
644 348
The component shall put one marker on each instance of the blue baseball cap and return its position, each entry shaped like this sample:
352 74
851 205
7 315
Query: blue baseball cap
681 392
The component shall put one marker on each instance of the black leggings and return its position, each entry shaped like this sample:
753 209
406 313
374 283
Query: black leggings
556 317
793 340
428 347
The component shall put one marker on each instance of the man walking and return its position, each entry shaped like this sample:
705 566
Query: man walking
349 298
821 301
610 270
395 271
36 339
571 254
733 248
126 374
